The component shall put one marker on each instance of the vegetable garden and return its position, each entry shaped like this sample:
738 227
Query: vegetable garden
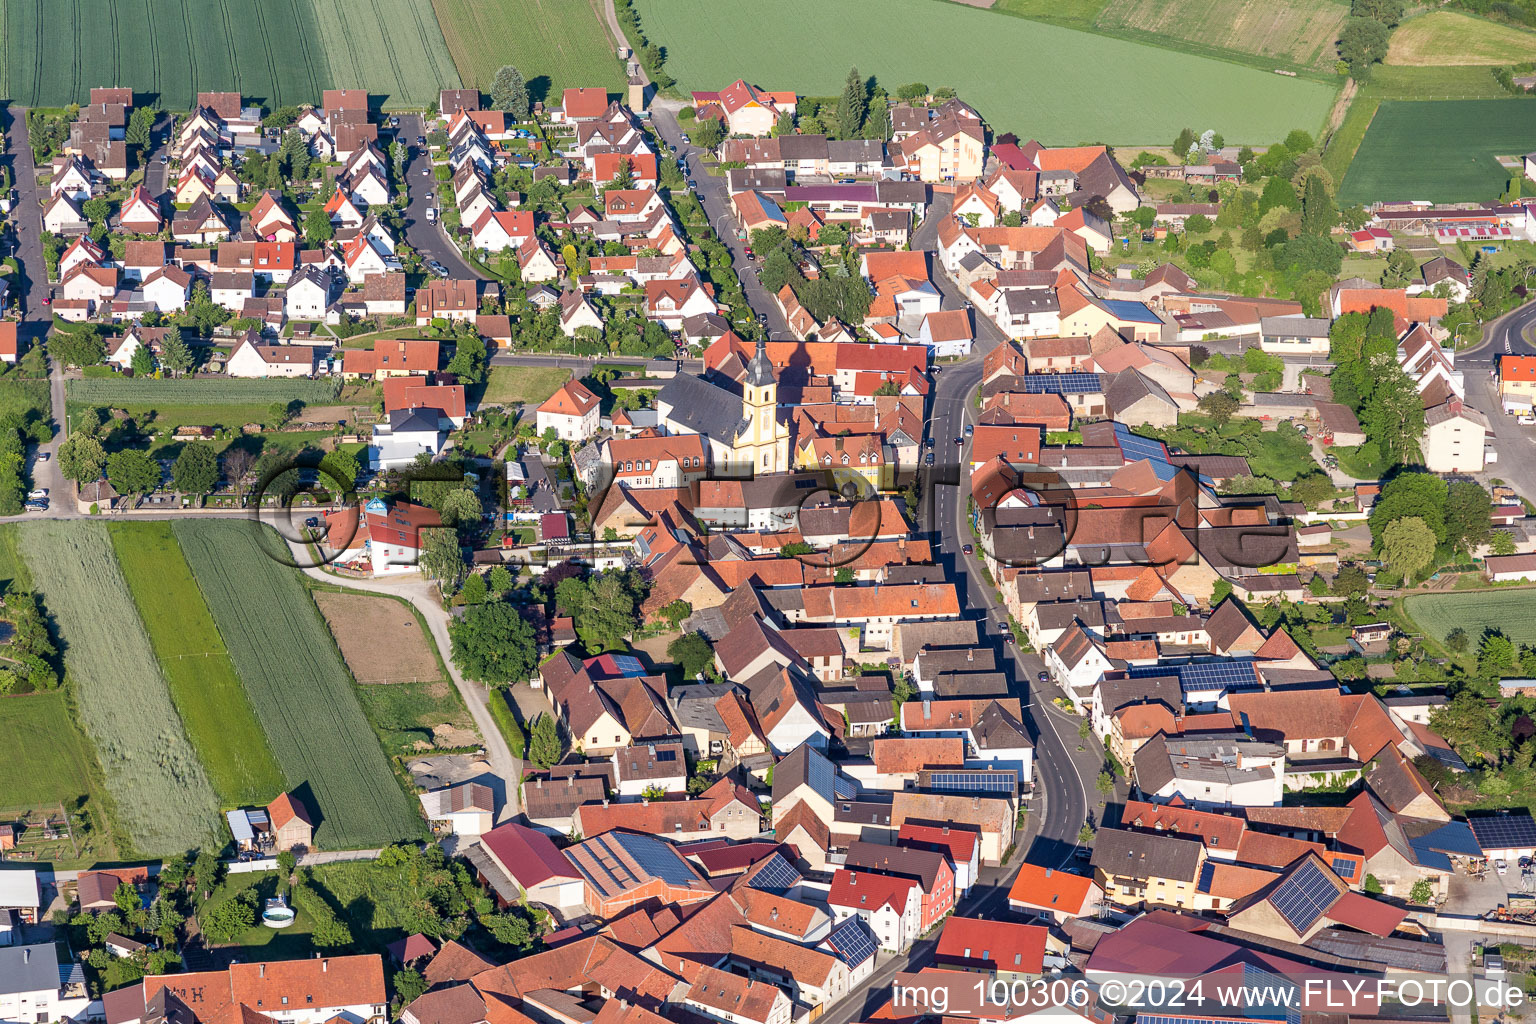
163 797
112 391
298 686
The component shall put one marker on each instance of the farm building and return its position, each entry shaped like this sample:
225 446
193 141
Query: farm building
292 826
19 894
465 810
1505 835
515 860
1503 568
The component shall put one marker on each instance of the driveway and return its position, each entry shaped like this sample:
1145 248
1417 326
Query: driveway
424 236
475 695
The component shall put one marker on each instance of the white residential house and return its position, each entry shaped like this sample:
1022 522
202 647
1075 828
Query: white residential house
250 359
496 230
82 251
406 434
168 288
888 904
576 312
31 989
572 412
62 216
72 179
230 289
309 294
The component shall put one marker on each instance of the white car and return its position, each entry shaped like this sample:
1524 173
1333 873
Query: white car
431 215
38 495
1525 419
1501 867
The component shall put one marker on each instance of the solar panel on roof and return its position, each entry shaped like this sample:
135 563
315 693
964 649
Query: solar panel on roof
1343 867
1061 383
1304 897
628 664
656 857
979 781
776 875
1506 831
1231 675
1135 447
852 942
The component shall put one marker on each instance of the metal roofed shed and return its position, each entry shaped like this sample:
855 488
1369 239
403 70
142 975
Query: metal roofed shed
240 827
1505 835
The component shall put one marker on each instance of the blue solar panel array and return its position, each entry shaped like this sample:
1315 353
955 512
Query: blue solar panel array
1135 447
1228 675
776 875
628 664
1304 897
852 942
1507 830
1061 383
656 857
995 781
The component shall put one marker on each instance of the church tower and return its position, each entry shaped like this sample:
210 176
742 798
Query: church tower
765 440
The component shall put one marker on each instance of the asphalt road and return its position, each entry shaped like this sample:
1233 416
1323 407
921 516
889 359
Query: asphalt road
716 199
43 462
424 236
1511 334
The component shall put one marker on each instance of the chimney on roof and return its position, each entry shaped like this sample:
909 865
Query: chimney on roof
1048 872
261 970
26 954
325 965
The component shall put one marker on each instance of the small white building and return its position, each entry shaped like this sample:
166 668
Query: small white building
31 989
572 413
465 810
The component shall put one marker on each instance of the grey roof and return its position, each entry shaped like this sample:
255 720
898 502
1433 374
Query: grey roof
1293 326
903 192
851 150
693 706
970 685
1054 585
32 968
1128 387
1124 854
702 407
802 147
1031 300
935 660
807 766
409 420
1161 761
1117 692
996 729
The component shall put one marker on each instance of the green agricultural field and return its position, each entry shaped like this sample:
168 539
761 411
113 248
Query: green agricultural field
59 764
1449 37
273 51
557 46
218 716
1439 151
298 685
1018 72
1289 32
163 797
1511 611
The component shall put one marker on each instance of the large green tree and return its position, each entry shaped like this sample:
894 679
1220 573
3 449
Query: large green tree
81 346
132 471
1468 514
1407 494
852 106
544 748
1407 545
442 557
81 458
493 643
196 469
1362 44
509 92
1318 212
317 227
1393 414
